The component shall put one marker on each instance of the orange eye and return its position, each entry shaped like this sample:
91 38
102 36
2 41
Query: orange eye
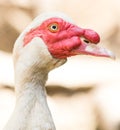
53 27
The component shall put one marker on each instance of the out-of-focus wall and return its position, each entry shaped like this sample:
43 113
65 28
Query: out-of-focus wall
102 16
82 101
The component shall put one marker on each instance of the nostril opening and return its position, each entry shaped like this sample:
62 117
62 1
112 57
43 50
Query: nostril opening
86 41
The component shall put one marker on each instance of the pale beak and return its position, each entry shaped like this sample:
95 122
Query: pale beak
89 40
93 49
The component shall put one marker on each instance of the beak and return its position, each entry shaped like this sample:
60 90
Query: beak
89 45
93 49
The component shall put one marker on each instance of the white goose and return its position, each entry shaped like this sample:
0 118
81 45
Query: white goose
44 45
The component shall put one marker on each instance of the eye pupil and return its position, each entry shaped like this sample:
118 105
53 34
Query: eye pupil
54 27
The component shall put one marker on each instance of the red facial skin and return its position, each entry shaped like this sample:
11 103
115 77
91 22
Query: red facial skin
66 40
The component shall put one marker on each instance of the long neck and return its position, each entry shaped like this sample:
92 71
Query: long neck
31 111
32 65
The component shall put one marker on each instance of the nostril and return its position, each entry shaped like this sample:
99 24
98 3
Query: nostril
86 41
92 36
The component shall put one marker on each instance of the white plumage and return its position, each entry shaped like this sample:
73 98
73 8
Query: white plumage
33 62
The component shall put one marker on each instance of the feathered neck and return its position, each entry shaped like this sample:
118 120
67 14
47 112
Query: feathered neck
32 65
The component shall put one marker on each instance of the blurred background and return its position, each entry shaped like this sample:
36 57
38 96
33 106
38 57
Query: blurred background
84 93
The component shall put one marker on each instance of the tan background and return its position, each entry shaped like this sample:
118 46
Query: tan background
84 93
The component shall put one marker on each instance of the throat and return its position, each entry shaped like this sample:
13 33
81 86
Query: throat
31 110
34 107
31 72
31 102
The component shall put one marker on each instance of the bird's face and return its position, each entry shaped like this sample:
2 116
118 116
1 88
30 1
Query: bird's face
64 39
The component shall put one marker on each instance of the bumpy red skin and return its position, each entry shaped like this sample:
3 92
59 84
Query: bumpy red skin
65 41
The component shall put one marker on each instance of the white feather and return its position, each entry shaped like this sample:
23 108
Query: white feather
32 64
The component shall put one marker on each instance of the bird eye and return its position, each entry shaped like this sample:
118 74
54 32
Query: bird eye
53 27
